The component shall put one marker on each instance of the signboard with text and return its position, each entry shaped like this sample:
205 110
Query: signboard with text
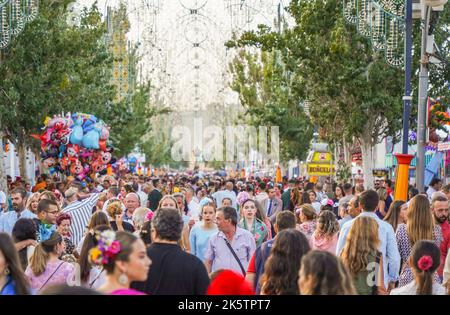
321 169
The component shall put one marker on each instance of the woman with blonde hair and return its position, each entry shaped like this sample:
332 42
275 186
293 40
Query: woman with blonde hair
325 236
33 202
322 273
169 201
361 256
45 267
306 219
419 226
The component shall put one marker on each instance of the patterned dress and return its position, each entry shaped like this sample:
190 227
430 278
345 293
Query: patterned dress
258 229
307 228
404 247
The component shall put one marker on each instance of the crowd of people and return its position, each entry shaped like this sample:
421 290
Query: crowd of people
196 234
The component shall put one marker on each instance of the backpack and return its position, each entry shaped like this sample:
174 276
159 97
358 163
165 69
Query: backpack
261 255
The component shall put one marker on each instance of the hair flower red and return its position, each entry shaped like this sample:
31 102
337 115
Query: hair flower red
425 263
114 248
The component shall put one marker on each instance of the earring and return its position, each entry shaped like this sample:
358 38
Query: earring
123 279
7 271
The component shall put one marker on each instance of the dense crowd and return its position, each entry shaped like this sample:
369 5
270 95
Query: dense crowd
180 233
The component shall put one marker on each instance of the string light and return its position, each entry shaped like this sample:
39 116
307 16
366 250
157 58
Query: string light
14 14
382 21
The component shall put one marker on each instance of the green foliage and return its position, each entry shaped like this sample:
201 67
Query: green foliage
53 67
351 91
132 120
265 91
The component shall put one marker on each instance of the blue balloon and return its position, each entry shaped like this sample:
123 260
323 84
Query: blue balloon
91 139
89 124
76 137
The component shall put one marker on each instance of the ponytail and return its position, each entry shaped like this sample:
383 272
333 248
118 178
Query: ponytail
90 241
38 261
425 260
424 283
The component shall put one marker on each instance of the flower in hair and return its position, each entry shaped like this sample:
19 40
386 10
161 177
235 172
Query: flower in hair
114 248
108 247
425 263
149 215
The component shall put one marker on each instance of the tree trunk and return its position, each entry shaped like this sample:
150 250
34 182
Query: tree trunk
3 182
21 152
346 152
368 160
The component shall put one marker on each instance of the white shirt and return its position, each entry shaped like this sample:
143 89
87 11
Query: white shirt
194 209
430 192
143 197
411 289
316 205
2 197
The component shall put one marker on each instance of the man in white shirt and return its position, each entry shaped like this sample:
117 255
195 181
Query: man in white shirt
435 185
143 194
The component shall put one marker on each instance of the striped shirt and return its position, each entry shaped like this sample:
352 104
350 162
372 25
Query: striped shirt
81 212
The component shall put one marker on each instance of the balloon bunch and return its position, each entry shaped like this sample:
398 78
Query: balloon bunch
75 145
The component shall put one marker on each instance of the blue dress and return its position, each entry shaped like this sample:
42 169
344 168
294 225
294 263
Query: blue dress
199 238
9 288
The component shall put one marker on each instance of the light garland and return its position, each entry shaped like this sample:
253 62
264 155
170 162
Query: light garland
14 14
382 21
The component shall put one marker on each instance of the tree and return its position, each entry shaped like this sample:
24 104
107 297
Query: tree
265 91
352 92
53 67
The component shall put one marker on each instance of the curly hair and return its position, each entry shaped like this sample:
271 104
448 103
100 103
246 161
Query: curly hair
168 224
113 209
365 241
327 224
281 268
62 217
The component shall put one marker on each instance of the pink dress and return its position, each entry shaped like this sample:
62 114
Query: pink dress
324 243
49 276
127 292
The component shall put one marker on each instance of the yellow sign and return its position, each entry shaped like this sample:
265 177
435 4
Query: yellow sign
320 169
321 157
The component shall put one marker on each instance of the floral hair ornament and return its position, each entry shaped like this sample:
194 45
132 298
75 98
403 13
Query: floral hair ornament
108 247
149 216
425 263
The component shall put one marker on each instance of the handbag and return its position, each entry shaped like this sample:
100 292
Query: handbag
235 256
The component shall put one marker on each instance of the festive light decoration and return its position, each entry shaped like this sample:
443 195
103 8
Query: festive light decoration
382 21
14 14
